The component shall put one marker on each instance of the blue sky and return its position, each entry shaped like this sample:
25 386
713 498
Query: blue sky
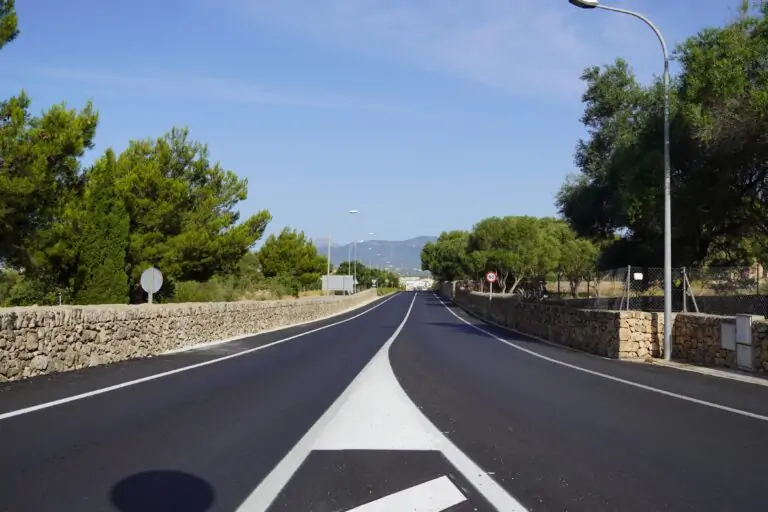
425 115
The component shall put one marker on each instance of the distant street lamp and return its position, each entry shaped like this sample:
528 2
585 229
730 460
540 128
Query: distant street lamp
355 266
328 270
361 241
592 4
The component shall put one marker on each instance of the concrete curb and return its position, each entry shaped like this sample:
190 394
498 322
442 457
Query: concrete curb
712 372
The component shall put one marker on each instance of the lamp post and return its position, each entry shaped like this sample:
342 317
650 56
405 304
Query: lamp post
592 4
328 270
361 241
354 272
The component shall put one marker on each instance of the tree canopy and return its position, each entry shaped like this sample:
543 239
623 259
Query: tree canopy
368 277
77 233
522 251
9 23
718 153
292 254
85 234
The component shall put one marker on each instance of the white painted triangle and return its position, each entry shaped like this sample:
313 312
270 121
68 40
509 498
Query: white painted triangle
433 496
377 415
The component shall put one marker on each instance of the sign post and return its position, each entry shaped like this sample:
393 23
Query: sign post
151 282
491 278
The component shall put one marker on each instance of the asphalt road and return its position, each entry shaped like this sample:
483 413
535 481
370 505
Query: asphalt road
404 402
209 434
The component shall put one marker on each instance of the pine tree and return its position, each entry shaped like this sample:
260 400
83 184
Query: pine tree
101 276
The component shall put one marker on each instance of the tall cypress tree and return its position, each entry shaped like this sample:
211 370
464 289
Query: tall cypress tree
101 275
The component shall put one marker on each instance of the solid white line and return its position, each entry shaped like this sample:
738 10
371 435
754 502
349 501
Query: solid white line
701 370
606 376
269 488
115 387
432 496
209 344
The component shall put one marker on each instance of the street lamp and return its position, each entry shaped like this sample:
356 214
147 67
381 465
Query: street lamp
592 4
355 267
355 272
328 270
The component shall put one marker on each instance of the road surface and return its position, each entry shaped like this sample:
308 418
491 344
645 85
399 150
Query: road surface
406 404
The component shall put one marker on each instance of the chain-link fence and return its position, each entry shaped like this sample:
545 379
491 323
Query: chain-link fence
723 291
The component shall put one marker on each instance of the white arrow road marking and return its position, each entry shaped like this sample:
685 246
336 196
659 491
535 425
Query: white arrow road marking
432 496
375 413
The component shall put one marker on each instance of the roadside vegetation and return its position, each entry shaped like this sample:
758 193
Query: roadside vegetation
612 208
77 234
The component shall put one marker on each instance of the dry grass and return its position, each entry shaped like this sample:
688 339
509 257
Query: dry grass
584 290
615 288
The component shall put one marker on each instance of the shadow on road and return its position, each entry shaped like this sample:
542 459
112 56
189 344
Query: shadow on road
434 302
463 328
162 491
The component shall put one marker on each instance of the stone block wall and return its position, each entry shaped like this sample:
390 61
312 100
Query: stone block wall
615 334
40 340
696 338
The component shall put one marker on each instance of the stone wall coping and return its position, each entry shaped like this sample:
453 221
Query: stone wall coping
112 312
621 311
39 340
263 303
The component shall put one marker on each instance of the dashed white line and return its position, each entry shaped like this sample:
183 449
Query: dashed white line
605 375
122 385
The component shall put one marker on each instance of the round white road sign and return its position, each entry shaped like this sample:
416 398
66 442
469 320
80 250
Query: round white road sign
491 277
151 280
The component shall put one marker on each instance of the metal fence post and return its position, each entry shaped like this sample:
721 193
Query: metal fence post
685 292
757 275
629 284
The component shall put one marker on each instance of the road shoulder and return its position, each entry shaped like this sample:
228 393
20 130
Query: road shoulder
18 395
738 394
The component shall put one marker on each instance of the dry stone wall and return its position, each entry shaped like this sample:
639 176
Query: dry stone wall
40 340
696 338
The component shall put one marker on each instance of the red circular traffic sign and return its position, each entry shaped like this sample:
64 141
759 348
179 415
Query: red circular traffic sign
491 277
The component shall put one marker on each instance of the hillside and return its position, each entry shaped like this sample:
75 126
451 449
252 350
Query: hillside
404 256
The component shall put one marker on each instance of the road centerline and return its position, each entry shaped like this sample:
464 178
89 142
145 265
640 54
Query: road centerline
419 434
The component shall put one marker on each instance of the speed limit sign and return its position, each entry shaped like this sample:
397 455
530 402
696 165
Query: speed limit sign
490 277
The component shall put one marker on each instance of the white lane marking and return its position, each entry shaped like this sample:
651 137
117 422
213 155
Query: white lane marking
269 488
377 415
609 377
115 387
432 496
420 434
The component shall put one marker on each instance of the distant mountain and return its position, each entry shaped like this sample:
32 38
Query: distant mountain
323 242
402 257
